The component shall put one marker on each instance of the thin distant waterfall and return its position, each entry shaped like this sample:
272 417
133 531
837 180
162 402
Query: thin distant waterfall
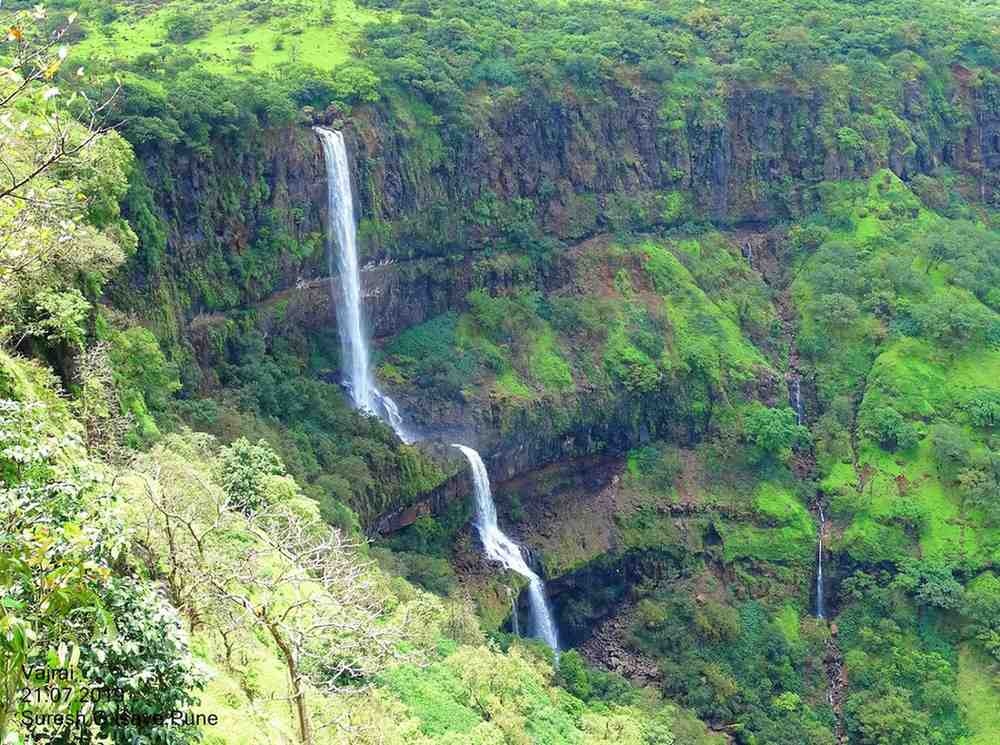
514 621
819 565
797 399
341 233
501 548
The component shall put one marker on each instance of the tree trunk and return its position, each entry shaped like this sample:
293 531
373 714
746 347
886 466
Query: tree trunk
298 695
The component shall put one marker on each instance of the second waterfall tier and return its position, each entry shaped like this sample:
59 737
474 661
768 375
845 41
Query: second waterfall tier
342 241
499 547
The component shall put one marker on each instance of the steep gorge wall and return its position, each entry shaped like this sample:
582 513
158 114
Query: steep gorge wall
244 223
245 220
751 159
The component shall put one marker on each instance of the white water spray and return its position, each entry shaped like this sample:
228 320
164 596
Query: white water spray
515 622
341 232
797 399
819 564
501 548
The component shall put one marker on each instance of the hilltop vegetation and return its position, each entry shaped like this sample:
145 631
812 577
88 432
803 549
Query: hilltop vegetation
631 228
223 37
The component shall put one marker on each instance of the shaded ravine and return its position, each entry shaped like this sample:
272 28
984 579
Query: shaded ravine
341 232
801 394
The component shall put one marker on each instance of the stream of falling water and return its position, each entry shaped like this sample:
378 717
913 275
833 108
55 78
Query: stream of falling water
501 548
341 233
514 620
819 564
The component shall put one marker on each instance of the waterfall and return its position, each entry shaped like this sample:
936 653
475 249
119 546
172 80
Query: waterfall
748 252
819 564
797 399
341 233
501 548
515 623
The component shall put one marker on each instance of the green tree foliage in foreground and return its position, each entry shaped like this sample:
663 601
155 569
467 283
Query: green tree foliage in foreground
179 578
91 554
63 605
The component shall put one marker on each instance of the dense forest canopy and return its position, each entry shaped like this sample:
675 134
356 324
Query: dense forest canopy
710 286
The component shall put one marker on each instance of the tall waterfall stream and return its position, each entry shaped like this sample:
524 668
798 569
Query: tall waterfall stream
341 233
819 563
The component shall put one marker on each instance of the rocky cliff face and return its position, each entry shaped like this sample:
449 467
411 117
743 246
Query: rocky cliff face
260 199
245 223
573 158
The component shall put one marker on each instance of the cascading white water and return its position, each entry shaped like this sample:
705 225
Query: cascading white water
341 233
819 564
515 622
797 399
501 548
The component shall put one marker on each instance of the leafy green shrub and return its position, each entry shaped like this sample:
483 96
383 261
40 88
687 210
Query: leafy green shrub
186 25
889 429
333 493
836 311
62 605
108 15
807 238
651 615
573 675
932 582
243 473
353 83
952 320
58 316
716 622
982 611
887 717
772 432
148 656
979 485
983 407
952 447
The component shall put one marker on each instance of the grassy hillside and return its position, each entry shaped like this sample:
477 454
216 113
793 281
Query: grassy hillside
226 38
891 335
637 228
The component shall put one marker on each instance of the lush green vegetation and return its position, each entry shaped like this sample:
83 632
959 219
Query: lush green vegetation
894 333
196 577
903 344
88 548
637 223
